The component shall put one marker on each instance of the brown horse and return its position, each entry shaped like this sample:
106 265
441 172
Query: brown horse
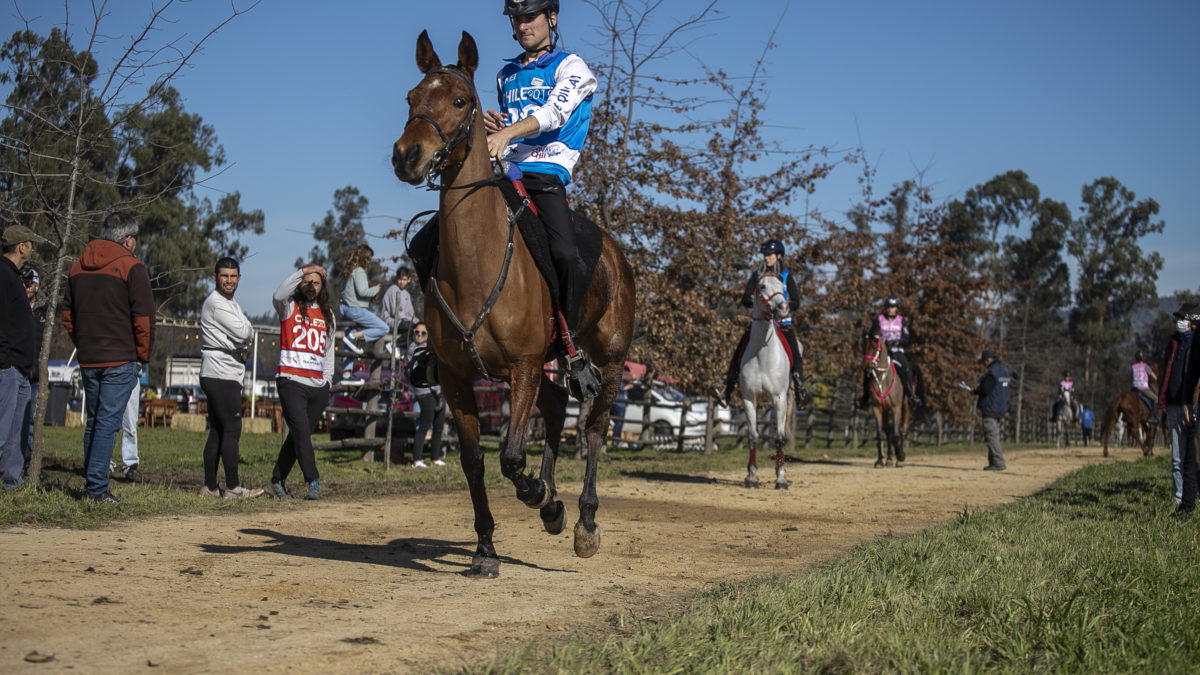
1138 418
497 291
888 402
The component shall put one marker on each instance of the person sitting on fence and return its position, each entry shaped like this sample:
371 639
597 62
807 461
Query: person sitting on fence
357 293
773 252
894 330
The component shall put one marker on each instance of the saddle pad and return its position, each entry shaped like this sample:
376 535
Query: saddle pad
588 240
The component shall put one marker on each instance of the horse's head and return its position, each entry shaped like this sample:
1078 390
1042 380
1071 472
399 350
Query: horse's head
770 301
441 113
871 348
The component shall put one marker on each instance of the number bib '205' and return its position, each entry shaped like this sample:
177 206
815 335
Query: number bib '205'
304 341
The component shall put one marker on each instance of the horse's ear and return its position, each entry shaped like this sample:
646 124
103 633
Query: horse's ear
427 59
468 55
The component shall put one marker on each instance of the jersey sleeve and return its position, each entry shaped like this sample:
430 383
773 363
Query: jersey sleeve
573 83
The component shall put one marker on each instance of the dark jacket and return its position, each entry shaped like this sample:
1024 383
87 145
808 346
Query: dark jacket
993 391
18 331
109 308
1180 371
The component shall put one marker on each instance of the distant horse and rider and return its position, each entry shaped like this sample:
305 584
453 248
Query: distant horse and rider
1065 414
887 401
1134 409
765 375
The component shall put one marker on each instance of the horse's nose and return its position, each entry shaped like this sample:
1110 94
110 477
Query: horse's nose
404 160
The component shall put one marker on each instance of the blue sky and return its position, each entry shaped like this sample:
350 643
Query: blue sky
307 97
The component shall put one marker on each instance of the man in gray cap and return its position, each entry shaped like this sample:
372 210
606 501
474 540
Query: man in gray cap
18 350
1176 401
992 391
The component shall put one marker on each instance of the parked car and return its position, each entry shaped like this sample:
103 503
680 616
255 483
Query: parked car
187 395
665 411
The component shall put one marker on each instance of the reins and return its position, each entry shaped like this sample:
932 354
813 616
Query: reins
448 145
877 371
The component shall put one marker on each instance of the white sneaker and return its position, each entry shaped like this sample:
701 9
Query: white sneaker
349 342
438 462
420 465
205 492
240 492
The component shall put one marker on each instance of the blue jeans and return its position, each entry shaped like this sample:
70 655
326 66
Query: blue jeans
107 391
14 396
372 326
1180 438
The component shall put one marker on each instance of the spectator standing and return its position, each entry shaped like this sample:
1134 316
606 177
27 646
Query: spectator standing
992 391
18 355
108 312
1180 371
225 334
29 277
305 371
429 398
357 293
1087 419
396 308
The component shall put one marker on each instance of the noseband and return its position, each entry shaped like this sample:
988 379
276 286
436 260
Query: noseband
464 130
766 299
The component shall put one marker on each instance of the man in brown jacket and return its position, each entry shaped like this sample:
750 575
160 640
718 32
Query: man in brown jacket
109 314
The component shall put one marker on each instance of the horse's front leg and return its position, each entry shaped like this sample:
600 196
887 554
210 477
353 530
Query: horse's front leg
880 435
751 410
524 378
782 411
902 423
552 400
460 396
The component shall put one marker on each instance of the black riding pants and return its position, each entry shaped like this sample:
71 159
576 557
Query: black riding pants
302 409
549 195
225 430
433 416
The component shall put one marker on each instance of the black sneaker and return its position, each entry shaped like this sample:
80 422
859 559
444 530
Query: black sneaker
105 497
278 491
134 476
993 467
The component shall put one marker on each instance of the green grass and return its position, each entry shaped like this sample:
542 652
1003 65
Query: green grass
1090 575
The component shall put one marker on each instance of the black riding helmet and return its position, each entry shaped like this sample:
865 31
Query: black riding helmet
523 7
1141 356
891 301
771 246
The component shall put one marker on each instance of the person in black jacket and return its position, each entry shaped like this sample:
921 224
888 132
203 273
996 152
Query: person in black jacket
992 391
1177 401
429 398
772 251
18 340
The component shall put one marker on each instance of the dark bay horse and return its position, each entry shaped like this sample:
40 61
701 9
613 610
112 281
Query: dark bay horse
495 289
1138 416
888 402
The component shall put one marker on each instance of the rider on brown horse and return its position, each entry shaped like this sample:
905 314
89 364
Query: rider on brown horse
772 251
1144 378
893 329
546 96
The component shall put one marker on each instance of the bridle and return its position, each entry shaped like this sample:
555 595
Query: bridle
464 132
880 363
766 299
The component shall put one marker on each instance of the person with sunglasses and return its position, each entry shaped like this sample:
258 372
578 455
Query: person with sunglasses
429 399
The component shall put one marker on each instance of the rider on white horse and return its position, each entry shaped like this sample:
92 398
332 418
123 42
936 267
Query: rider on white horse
893 329
1066 393
772 251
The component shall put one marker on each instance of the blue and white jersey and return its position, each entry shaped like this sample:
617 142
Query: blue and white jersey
556 89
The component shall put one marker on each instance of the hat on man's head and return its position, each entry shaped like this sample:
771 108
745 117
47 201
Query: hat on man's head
1189 311
987 354
17 234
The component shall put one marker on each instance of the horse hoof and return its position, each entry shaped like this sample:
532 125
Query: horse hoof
586 543
750 482
484 568
534 497
554 517
781 485
899 464
878 463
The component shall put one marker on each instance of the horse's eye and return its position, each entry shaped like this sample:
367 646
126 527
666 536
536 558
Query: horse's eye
460 102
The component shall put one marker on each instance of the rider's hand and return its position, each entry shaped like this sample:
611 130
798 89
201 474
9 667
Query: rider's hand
492 121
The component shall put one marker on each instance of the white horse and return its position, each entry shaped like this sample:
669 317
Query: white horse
766 374
1066 418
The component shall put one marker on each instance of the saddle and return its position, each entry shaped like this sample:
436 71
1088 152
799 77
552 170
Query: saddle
787 347
423 248
1149 404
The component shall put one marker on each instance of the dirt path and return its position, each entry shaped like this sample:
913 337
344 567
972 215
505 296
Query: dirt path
379 586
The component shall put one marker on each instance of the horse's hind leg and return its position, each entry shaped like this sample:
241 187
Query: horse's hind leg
552 401
460 396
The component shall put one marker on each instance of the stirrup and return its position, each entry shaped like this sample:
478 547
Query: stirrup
718 395
583 379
